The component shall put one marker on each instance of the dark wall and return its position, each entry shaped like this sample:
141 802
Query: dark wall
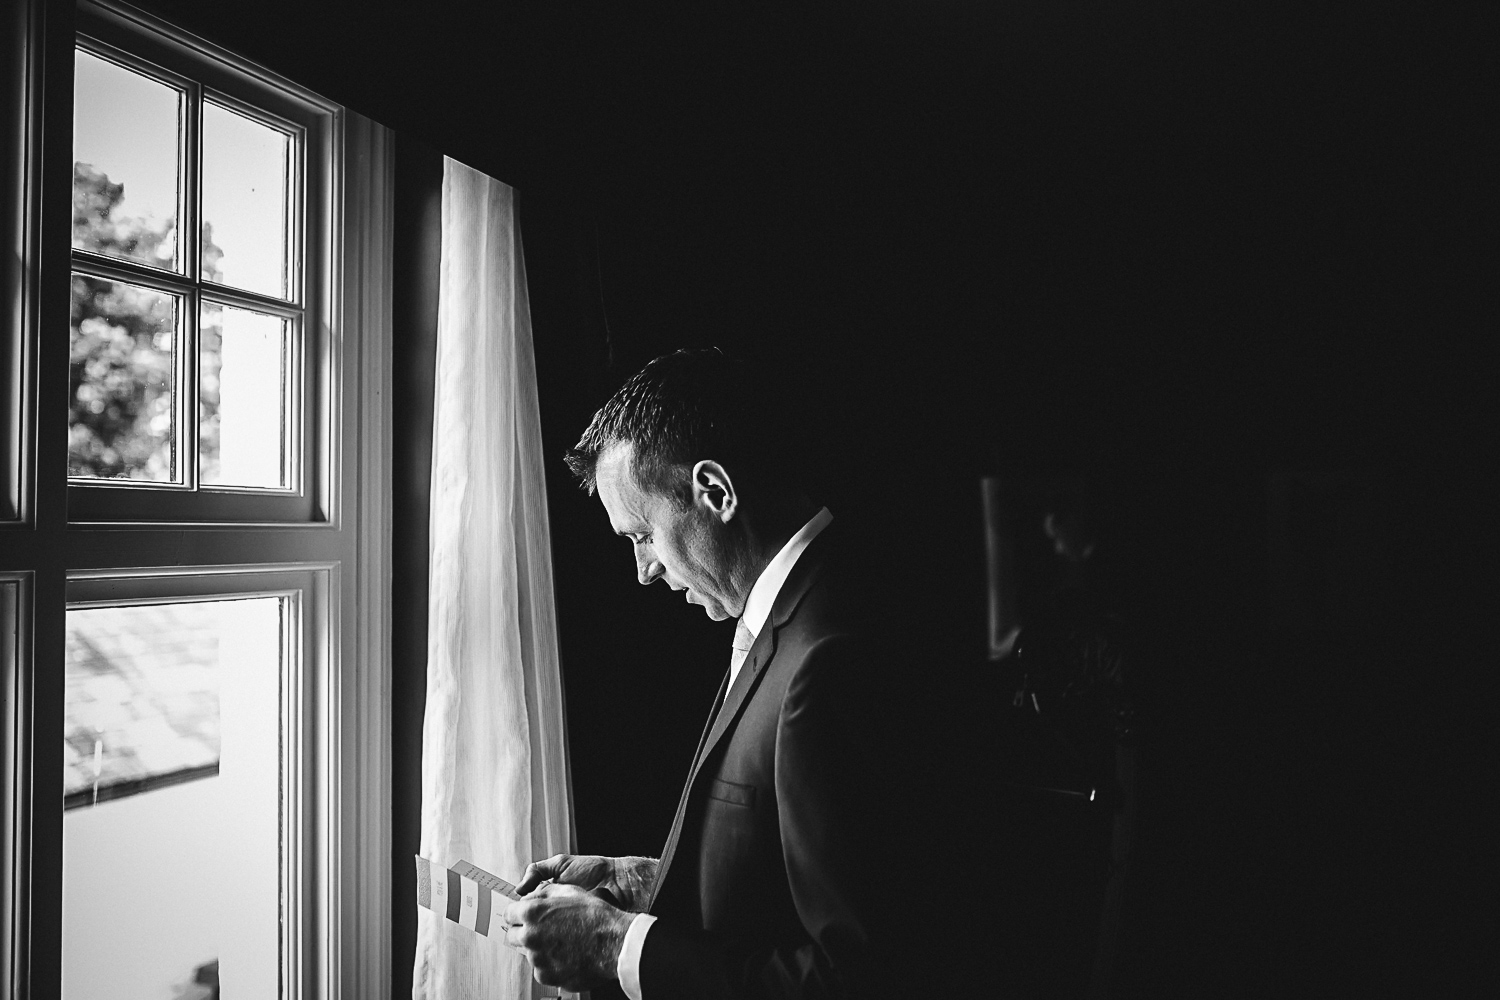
418 224
1233 264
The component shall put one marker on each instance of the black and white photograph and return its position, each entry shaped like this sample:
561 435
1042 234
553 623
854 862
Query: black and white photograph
823 501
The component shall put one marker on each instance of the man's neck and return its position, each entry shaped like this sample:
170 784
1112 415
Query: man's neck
768 535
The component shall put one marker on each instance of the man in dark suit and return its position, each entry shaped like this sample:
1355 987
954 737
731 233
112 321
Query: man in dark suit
778 877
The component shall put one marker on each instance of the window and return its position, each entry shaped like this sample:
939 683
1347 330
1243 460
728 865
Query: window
184 802
191 551
200 246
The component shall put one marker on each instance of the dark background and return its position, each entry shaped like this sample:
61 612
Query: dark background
1235 263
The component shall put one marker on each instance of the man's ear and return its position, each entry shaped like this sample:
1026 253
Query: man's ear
714 490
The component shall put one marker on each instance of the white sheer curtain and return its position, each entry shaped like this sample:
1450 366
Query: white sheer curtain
494 757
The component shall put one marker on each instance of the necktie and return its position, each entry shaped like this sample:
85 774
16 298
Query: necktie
743 640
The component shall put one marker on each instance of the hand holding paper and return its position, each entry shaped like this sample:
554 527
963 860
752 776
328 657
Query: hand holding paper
572 937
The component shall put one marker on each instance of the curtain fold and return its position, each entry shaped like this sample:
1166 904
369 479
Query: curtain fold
494 756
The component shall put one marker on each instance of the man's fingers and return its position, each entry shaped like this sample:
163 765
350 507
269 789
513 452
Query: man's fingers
539 871
517 915
536 872
554 928
522 936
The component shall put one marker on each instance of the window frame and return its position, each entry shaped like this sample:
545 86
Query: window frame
16 687
20 196
52 545
114 33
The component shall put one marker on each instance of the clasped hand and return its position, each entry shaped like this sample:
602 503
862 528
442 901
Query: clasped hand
571 936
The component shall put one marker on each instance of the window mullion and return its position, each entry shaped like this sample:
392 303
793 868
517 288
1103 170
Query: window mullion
192 231
294 448
225 295
191 194
95 265
299 361
297 173
187 435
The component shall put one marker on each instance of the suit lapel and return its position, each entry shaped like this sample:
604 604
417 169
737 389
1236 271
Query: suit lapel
749 676
807 570
708 726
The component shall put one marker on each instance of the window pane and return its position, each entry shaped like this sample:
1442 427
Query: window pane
125 157
245 203
242 398
122 420
172 747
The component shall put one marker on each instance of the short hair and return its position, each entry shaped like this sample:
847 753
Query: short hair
687 406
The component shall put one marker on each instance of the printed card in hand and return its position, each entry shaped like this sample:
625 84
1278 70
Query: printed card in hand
466 894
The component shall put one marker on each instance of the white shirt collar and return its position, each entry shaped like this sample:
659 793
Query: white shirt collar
768 584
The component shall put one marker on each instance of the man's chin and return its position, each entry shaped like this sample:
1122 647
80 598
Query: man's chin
716 611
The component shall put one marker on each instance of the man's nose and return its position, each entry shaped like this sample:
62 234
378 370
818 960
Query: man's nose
647 569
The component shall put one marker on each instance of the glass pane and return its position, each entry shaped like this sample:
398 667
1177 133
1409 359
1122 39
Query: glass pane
122 413
245 203
171 831
242 398
125 157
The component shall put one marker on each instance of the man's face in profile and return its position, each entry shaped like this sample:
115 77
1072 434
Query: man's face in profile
684 546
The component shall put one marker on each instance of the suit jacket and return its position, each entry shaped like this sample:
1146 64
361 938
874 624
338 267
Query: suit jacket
771 883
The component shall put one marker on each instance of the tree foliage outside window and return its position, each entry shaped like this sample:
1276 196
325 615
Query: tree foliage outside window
125 343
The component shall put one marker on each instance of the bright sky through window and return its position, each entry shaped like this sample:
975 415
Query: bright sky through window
242 371
126 126
244 199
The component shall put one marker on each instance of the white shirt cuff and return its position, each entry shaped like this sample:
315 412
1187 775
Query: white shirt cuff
628 966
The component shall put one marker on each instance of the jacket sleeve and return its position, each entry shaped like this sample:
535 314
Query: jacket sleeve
835 763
